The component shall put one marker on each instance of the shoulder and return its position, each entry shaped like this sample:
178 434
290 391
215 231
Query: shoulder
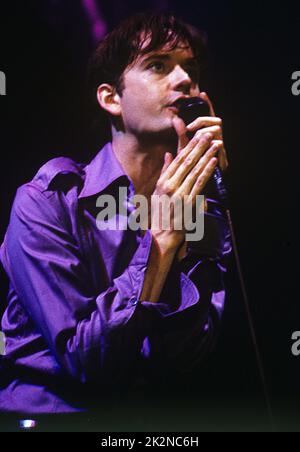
50 188
57 172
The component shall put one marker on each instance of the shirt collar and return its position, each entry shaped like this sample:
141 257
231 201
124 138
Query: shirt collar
102 171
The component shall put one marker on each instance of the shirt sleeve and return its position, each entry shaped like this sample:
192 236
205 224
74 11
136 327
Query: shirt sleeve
189 332
94 337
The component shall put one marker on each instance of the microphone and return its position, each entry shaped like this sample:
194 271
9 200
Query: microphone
190 109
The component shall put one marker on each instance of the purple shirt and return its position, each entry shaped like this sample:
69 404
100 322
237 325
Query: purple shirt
74 326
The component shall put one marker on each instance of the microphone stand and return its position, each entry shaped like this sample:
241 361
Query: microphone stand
189 110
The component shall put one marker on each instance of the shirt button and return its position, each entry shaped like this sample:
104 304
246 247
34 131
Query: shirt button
133 301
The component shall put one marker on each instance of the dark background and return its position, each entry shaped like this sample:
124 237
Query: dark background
254 49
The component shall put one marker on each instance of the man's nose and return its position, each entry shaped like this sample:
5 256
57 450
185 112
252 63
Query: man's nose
181 80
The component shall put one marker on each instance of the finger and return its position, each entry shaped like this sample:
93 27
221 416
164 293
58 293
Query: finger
204 177
205 97
190 180
179 164
204 121
187 159
223 160
209 134
189 156
167 161
180 129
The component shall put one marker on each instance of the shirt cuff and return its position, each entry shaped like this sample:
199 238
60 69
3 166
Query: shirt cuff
130 283
185 312
139 263
183 303
191 293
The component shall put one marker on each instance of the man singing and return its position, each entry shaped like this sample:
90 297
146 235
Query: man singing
92 311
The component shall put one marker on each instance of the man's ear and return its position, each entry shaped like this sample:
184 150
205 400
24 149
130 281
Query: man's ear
109 99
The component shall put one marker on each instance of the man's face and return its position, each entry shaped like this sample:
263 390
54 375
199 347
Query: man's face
152 84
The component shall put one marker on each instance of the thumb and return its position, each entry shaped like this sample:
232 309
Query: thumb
168 157
205 97
181 131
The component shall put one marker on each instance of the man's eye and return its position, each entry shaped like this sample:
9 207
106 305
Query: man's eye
157 66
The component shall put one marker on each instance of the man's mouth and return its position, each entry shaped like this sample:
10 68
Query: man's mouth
174 106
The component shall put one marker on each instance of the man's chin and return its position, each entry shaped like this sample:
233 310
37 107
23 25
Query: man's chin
166 136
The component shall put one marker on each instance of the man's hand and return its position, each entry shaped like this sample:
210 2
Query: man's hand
186 174
184 177
199 124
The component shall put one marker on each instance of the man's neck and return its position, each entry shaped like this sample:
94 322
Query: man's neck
141 161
